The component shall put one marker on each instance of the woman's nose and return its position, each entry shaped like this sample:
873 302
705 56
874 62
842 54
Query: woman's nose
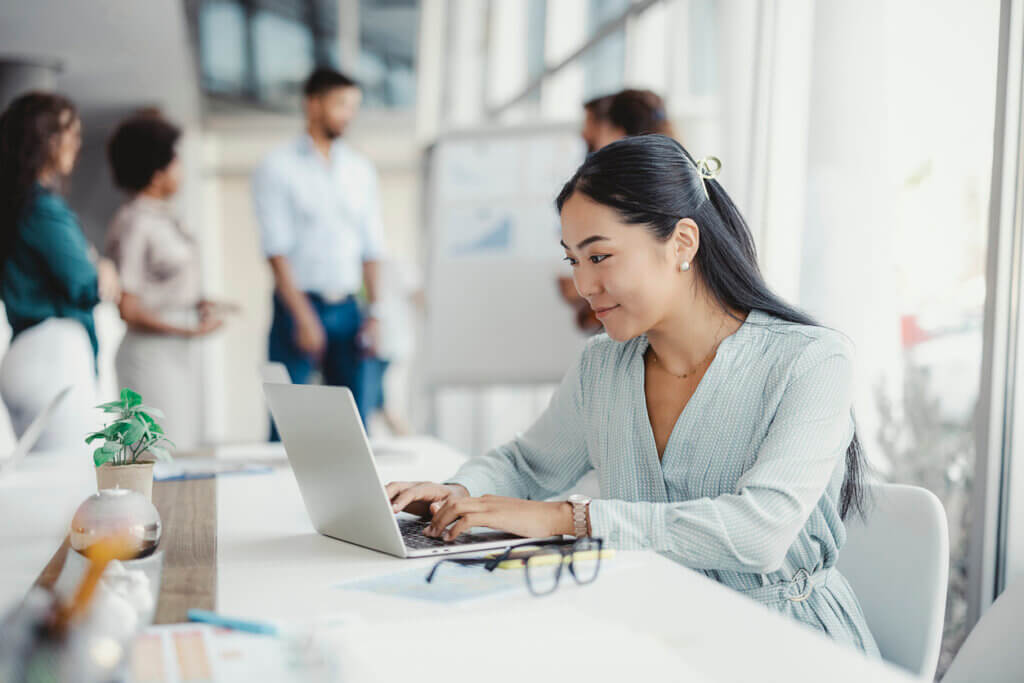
586 285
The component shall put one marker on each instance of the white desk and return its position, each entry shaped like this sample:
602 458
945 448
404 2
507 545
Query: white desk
644 615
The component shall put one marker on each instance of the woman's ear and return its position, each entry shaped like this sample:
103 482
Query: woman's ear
686 240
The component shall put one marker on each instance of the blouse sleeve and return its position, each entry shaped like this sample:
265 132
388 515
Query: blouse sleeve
547 459
752 529
54 234
129 253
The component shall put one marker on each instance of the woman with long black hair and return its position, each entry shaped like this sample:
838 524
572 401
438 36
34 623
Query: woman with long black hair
718 417
50 279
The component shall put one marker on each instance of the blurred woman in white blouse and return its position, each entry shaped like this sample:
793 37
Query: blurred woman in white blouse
158 260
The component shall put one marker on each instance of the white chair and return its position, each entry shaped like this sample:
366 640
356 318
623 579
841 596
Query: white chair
898 564
275 373
993 652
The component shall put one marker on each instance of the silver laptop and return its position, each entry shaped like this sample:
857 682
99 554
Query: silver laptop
343 492
31 435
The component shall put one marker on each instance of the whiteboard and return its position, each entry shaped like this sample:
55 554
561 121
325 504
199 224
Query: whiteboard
494 313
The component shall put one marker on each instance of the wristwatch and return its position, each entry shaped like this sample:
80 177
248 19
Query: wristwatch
580 507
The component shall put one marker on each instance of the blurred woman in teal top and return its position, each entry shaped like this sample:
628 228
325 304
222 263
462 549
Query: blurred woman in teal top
50 278
718 418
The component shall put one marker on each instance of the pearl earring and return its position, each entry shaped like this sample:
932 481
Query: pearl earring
684 266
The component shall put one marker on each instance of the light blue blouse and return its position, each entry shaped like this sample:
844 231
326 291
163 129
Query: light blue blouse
748 489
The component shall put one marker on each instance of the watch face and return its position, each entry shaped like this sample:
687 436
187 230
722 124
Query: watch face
578 498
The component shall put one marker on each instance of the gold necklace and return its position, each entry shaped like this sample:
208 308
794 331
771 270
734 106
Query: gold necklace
714 350
654 355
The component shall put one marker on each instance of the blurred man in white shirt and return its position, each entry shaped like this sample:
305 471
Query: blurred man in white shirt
316 202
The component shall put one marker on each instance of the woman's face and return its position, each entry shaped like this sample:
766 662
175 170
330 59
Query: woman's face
630 278
168 179
598 133
69 142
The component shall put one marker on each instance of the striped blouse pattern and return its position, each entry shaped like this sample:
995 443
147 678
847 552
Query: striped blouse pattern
748 488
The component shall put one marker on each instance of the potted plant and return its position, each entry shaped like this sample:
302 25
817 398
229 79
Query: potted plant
131 444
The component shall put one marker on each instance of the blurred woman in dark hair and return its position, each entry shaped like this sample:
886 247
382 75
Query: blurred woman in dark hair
158 260
639 112
628 112
50 278
717 416
597 128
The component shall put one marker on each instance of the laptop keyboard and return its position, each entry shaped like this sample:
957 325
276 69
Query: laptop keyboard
412 535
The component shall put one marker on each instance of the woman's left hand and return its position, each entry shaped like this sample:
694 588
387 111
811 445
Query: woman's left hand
514 515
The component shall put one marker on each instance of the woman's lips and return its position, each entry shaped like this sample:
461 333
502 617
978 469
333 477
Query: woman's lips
602 312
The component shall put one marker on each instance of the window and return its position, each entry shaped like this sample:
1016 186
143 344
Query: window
222 44
387 52
283 56
893 247
261 51
604 65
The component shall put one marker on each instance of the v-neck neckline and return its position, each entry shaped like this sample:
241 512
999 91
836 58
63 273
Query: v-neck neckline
724 348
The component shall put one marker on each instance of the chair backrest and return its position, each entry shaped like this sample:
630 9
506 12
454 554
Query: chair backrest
993 651
275 373
897 561
31 435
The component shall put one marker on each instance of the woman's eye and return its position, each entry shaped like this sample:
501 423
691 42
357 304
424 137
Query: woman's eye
570 260
598 258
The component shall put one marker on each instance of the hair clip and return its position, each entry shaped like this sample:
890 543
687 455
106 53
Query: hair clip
707 169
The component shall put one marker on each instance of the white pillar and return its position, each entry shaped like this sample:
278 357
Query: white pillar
430 59
506 57
562 94
845 262
466 63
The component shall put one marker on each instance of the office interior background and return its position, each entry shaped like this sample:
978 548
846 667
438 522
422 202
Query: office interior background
866 144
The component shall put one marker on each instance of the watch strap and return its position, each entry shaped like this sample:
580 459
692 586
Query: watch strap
580 505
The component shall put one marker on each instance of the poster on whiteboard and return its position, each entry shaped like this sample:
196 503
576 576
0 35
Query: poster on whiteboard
495 315
530 233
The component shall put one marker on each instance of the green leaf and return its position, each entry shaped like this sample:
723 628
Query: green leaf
130 399
133 432
155 412
160 454
95 435
150 423
103 454
115 430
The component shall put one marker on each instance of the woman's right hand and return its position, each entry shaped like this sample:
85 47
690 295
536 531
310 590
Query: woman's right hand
207 325
422 497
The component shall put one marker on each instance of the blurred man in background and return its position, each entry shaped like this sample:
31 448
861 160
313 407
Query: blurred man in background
318 211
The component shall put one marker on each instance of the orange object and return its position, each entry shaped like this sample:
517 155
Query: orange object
100 554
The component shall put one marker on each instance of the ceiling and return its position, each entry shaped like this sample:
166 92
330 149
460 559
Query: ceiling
114 54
